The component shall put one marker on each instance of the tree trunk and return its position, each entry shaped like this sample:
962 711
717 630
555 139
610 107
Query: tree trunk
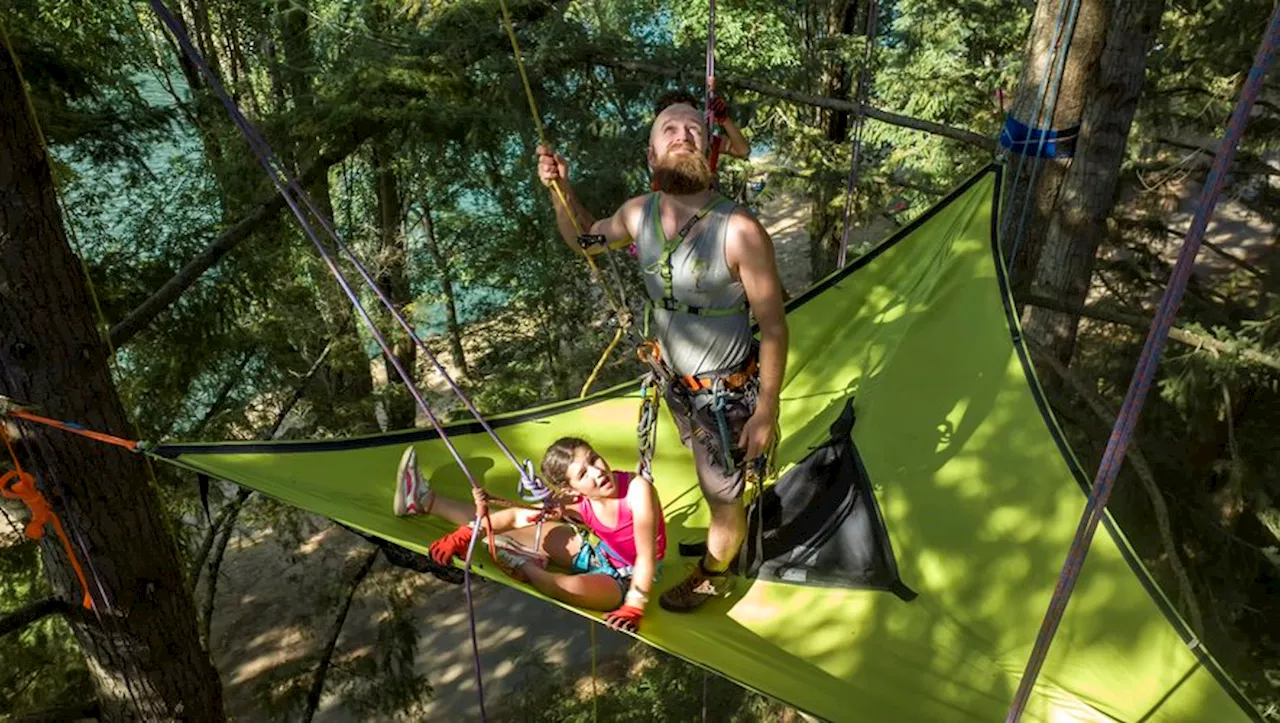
1064 266
824 241
1023 226
348 375
445 272
144 656
222 244
392 276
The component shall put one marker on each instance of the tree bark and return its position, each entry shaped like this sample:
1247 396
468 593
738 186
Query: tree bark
445 272
145 657
823 240
348 374
1027 214
1064 266
817 101
392 276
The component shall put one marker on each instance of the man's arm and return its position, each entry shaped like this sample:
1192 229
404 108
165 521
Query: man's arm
553 171
751 257
738 147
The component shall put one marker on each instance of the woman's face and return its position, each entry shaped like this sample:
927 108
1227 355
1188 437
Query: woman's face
589 475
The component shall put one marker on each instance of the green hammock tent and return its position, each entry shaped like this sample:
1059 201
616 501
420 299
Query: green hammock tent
907 558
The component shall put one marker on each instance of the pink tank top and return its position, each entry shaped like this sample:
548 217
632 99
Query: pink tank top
620 540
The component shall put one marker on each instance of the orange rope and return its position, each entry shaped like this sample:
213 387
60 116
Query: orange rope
128 444
21 486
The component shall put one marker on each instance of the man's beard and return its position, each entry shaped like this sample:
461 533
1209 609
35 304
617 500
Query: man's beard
682 174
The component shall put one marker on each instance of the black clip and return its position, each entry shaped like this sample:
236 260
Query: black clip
587 240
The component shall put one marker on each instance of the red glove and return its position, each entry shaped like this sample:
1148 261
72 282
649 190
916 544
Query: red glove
719 109
451 545
625 618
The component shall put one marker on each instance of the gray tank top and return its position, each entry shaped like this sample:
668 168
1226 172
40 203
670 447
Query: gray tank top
695 344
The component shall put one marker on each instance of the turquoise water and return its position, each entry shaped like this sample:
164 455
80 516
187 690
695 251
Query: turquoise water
110 204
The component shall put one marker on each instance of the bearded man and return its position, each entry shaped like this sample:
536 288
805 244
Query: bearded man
708 266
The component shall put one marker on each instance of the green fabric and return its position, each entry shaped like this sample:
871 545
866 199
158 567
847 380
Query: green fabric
979 498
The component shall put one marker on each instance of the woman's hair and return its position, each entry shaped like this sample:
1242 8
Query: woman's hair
555 463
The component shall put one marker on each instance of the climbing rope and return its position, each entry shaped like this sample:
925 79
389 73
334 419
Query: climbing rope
9 409
711 71
859 122
1144 374
292 193
619 305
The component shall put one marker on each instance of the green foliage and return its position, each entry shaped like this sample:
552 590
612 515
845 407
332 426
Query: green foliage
44 666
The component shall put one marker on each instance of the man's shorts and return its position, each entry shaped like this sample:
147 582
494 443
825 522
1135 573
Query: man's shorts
700 432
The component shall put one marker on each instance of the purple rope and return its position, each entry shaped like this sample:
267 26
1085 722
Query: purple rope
276 170
859 122
1147 363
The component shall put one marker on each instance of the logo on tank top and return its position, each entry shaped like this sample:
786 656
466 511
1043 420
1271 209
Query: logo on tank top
698 269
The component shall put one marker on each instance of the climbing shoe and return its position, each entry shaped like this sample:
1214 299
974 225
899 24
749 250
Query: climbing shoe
699 587
412 489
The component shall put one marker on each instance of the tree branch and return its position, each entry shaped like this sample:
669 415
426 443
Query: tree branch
146 312
1244 164
211 589
322 669
89 709
232 509
1142 323
32 613
959 134
1138 461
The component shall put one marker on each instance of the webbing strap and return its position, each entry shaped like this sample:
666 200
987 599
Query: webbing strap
669 246
20 485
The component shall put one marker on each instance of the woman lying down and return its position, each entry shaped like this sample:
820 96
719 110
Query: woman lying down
620 508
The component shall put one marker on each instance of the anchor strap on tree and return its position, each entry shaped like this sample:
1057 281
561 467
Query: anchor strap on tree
18 484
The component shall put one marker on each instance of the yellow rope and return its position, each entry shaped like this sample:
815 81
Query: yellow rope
623 322
617 337
595 699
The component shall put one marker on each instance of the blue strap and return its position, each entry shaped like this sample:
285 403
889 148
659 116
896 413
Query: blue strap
1024 140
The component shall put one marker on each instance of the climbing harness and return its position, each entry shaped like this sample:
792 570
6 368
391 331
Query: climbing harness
665 271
